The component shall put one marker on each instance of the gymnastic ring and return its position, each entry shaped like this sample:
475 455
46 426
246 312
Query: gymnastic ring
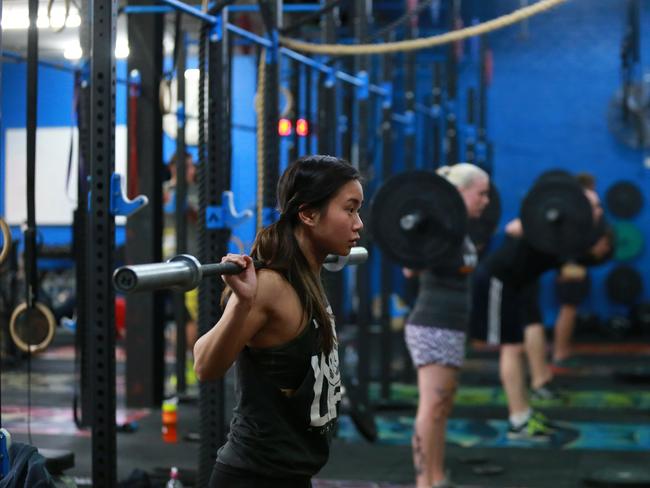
6 245
22 343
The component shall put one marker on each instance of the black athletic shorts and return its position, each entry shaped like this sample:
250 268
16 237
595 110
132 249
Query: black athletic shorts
224 476
501 312
572 292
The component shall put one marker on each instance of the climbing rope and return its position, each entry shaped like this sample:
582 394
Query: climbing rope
425 42
259 108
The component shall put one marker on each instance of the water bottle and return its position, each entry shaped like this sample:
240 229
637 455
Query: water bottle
169 420
174 479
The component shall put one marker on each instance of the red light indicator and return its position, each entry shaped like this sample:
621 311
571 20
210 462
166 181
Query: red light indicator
302 127
284 127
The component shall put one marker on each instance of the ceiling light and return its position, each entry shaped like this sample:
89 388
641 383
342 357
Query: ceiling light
73 51
192 74
121 48
18 18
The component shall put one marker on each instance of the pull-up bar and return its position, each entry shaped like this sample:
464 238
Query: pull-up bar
66 68
162 9
194 12
360 81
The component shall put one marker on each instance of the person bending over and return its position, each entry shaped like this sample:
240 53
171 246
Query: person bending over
505 303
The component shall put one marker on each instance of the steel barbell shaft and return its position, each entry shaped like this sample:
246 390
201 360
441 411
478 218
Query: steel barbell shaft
185 272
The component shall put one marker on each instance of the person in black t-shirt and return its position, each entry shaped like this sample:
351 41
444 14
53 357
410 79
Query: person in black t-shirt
278 326
572 287
436 332
505 303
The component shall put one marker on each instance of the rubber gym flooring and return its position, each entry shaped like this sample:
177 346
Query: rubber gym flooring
604 421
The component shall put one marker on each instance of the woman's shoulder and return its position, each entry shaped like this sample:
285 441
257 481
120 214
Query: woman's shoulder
272 277
271 285
275 294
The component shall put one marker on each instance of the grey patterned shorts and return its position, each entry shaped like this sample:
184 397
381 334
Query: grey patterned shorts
433 345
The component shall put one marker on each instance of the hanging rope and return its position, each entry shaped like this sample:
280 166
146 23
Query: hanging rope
261 147
423 43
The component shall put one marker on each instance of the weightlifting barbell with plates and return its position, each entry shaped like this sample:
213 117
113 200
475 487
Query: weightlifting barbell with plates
552 175
185 272
417 218
557 219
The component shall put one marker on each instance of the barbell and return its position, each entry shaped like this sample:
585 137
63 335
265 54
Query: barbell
185 272
418 218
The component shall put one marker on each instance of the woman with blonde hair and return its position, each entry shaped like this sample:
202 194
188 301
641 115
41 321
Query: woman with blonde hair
436 331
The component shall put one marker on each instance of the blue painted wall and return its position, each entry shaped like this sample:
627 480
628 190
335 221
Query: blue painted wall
548 104
547 108
55 109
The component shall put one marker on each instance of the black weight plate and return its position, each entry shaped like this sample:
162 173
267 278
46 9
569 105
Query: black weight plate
624 199
481 229
553 175
624 285
557 219
623 476
440 224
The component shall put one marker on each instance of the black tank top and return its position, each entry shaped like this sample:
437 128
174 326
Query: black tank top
278 436
285 365
517 263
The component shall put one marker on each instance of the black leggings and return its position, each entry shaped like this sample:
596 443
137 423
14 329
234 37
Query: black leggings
224 476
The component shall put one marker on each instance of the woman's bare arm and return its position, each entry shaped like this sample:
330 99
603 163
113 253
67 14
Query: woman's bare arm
246 313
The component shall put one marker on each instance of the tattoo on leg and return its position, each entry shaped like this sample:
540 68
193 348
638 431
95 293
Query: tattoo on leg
418 456
446 398
445 393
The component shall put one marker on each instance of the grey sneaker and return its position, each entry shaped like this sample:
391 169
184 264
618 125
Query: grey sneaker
548 392
536 429
446 483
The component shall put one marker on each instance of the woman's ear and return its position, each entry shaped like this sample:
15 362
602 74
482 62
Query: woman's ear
308 215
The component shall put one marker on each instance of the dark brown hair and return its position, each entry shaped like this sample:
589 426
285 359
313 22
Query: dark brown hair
586 181
309 182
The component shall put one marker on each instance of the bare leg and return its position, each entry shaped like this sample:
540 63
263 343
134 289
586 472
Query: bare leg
535 346
511 369
437 387
564 326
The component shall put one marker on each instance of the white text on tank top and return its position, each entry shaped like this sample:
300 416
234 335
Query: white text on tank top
470 255
327 381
